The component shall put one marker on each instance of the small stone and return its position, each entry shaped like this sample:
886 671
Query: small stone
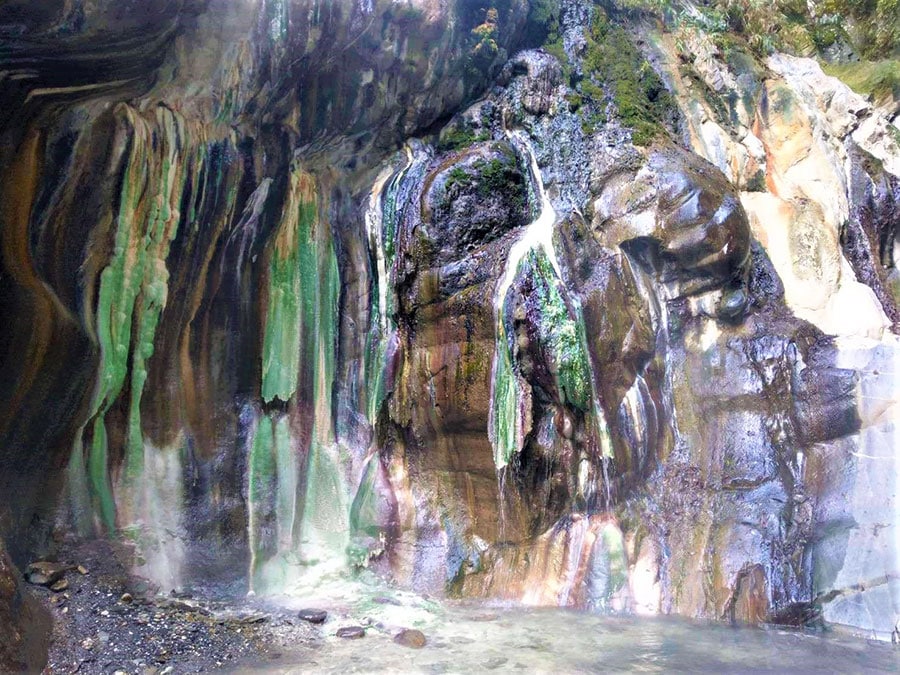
313 615
45 573
351 632
87 643
60 586
384 600
485 617
126 598
410 637
82 570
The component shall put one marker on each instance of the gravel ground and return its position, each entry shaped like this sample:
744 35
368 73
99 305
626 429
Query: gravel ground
108 621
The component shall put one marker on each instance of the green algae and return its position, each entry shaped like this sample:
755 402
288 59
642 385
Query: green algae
506 405
298 365
120 284
133 292
561 335
304 287
161 231
281 339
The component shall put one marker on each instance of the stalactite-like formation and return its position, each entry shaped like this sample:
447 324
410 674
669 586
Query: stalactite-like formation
297 288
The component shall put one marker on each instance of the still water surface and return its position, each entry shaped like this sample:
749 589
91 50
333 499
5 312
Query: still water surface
466 638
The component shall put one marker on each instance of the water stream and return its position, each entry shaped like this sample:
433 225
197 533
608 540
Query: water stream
564 330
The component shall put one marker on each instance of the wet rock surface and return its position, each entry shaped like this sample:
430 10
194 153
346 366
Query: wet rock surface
314 616
412 638
499 350
351 632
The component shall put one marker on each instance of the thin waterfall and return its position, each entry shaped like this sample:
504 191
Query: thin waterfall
506 422
510 406
386 205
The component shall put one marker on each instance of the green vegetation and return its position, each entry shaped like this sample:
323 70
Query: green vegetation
542 25
878 79
876 24
872 27
636 90
489 177
460 137
561 335
484 40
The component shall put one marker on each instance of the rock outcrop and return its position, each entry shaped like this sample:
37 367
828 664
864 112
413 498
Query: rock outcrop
25 632
298 287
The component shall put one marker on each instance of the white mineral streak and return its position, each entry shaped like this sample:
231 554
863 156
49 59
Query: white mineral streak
538 234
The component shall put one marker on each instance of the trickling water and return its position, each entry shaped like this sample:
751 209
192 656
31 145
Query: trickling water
538 233
510 407
374 228
383 214
156 524
870 573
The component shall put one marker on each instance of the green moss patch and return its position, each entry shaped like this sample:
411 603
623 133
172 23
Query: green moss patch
617 70
878 79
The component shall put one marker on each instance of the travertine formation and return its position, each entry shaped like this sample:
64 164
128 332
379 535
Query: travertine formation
297 286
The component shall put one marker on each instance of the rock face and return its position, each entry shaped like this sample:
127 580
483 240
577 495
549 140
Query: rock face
25 633
302 286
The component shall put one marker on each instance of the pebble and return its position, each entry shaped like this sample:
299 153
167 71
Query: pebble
313 615
384 600
82 570
351 632
60 585
485 617
126 598
411 638
45 573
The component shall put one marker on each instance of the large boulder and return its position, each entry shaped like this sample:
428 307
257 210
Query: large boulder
24 624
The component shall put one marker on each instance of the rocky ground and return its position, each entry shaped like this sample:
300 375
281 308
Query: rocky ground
109 621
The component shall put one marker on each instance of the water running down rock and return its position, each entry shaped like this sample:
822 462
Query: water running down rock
557 303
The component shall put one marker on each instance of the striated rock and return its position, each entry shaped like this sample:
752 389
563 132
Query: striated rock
272 328
680 219
542 75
